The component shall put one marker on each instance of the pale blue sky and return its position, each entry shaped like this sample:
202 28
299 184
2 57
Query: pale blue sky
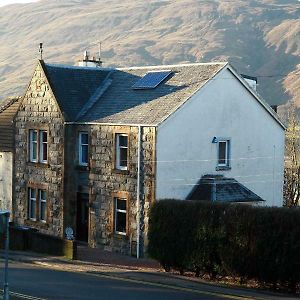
7 2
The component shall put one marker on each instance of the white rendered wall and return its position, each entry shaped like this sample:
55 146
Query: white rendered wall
6 164
223 108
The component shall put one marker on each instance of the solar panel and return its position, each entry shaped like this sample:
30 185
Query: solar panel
151 80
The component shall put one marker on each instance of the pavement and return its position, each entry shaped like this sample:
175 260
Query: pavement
105 264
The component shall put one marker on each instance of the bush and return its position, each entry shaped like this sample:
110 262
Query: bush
227 239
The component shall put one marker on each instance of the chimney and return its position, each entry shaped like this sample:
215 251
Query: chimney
88 61
274 107
252 81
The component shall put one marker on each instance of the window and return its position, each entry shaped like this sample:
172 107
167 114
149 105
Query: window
120 216
33 137
224 153
32 204
38 146
43 147
42 210
83 148
37 207
121 151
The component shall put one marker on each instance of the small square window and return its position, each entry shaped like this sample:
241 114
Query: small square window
121 151
120 216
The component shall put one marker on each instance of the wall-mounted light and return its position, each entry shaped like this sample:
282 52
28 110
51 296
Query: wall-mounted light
215 140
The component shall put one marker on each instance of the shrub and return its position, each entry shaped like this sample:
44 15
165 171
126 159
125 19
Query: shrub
239 240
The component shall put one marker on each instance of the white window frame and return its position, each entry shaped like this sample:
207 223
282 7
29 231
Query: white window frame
227 152
118 152
40 205
30 200
31 145
120 211
80 144
43 145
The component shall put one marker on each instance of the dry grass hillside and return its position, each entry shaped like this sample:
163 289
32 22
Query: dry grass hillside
259 37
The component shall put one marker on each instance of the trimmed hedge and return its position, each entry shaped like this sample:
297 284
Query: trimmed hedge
224 239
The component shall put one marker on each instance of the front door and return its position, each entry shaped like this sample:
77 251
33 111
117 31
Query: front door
82 217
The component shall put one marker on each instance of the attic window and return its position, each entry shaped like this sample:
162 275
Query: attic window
151 80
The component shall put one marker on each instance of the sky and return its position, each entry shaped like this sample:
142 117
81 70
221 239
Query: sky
7 2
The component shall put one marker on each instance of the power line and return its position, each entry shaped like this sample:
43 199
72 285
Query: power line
237 176
212 160
208 183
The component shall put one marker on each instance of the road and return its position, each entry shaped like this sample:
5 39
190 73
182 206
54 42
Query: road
31 282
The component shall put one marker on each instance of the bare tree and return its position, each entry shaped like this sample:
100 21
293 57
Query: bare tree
291 191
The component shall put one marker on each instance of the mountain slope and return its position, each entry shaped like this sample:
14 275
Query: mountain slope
259 37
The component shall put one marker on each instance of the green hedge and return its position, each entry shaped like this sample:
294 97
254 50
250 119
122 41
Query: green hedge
222 239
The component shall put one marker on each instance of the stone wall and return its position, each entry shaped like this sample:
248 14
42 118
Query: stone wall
63 178
40 111
105 182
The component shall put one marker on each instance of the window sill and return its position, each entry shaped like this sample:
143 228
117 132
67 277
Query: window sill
38 164
118 171
36 224
82 168
223 168
120 236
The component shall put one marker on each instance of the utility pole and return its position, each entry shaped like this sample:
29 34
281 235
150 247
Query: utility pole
5 214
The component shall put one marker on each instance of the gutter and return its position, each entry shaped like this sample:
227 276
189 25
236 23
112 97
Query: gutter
111 124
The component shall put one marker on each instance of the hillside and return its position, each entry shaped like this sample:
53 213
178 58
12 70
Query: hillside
260 37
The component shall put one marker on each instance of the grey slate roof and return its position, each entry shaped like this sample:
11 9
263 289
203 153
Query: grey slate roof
8 110
102 95
120 103
221 189
73 86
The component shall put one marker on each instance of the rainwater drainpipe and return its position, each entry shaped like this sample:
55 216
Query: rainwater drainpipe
138 190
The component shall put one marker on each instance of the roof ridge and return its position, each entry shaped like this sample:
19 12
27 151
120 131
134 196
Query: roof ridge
174 65
63 66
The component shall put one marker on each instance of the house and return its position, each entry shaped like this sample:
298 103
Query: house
95 147
8 109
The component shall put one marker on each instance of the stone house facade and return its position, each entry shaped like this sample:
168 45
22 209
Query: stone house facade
95 147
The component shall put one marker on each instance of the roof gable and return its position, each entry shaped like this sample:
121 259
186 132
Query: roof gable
256 96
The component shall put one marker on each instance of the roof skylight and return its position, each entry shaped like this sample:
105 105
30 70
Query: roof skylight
151 80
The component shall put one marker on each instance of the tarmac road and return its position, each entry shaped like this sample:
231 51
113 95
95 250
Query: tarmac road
27 281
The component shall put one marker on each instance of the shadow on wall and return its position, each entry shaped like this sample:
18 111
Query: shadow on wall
25 238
